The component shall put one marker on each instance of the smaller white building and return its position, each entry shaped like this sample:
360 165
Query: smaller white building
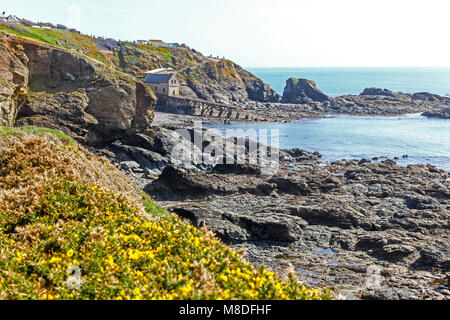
11 18
163 44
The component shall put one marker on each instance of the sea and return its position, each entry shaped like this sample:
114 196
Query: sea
412 138
341 81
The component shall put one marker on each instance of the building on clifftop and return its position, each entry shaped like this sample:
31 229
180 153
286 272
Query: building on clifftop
10 18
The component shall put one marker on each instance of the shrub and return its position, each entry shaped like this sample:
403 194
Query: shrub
61 27
83 236
47 24
13 26
26 22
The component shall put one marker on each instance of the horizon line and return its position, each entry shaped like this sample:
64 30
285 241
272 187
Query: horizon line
318 67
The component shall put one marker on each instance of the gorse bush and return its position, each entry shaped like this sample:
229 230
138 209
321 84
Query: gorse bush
79 240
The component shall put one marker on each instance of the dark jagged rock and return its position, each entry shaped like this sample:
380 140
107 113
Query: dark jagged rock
260 91
303 155
442 114
374 101
302 91
436 256
377 92
429 97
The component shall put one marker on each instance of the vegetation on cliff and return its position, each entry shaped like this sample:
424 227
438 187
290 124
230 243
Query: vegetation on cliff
210 79
59 38
129 57
72 226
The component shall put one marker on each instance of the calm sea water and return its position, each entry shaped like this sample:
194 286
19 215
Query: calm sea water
339 81
424 140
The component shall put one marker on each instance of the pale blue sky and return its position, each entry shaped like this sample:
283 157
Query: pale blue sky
262 33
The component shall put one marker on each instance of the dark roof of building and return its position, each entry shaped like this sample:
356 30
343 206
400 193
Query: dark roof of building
159 78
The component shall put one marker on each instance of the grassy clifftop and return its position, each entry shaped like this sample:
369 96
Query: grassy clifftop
217 80
72 226
127 56
63 39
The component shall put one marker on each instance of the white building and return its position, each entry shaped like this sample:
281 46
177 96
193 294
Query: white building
11 18
163 44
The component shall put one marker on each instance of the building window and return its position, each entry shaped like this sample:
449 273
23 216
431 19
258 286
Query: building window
164 90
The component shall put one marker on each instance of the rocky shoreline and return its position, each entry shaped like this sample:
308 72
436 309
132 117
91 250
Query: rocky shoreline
371 102
303 100
368 229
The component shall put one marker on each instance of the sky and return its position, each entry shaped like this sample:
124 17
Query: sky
268 33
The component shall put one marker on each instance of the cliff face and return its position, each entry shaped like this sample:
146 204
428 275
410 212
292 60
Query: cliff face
13 83
225 82
58 89
215 80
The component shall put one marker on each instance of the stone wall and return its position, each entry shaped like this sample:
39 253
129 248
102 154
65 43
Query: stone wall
198 107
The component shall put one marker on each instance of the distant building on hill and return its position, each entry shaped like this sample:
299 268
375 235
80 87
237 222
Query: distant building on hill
163 82
10 18
159 43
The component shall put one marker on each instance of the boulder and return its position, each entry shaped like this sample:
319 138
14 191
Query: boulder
377 92
260 91
436 256
298 91
441 114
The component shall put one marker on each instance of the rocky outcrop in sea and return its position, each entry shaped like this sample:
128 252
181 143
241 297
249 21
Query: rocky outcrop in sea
302 91
371 102
441 114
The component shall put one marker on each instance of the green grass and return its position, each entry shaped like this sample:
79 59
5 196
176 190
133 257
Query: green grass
165 52
37 131
153 208
197 75
41 35
62 39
